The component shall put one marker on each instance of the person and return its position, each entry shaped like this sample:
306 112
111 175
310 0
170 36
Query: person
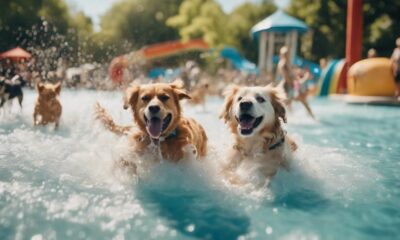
293 85
372 53
323 63
285 70
396 67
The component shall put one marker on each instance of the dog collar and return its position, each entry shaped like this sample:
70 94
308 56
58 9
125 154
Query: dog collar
173 134
277 144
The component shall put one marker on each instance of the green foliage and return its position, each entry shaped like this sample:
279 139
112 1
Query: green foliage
46 28
140 22
327 19
202 19
205 19
242 19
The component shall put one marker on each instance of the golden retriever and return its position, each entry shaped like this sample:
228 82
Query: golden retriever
157 114
254 116
47 108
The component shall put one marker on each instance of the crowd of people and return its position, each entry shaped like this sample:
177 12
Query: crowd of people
296 82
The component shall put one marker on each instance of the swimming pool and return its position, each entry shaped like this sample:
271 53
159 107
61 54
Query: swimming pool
345 182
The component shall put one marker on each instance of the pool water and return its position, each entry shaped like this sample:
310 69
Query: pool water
344 183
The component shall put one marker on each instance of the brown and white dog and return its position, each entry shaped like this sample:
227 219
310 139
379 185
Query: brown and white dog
254 116
47 108
157 114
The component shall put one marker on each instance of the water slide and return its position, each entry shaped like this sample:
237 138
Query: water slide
237 61
159 50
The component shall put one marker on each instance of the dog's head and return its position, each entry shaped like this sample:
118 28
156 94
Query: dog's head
48 91
156 107
249 110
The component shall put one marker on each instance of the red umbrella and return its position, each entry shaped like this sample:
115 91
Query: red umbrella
116 69
16 54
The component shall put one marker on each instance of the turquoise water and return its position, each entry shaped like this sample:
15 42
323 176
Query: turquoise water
344 183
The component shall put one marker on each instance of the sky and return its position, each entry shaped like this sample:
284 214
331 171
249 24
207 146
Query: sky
95 8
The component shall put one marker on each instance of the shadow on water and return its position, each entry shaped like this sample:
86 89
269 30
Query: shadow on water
298 190
195 211
302 199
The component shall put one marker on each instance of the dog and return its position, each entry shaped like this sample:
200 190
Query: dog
10 89
255 116
198 95
48 108
157 114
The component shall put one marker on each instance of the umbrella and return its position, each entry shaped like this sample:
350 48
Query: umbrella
116 68
16 54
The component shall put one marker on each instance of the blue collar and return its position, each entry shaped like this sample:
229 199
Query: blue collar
277 144
173 134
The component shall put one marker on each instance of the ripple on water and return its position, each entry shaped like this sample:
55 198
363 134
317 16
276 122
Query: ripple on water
62 184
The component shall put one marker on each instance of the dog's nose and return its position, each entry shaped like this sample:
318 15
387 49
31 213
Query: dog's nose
154 109
245 106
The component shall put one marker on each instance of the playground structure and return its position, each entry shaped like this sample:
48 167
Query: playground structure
371 77
238 62
119 65
275 31
366 81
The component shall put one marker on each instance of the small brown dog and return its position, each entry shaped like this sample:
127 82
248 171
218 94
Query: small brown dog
157 113
198 94
254 116
47 108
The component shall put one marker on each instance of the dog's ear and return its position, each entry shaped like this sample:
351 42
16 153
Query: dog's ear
278 102
178 88
229 94
39 87
181 94
58 88
131 96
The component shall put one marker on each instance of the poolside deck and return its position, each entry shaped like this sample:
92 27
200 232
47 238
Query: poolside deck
370 100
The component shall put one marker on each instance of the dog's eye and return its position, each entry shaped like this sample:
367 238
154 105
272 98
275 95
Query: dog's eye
146 98
163 98
260 99
239 98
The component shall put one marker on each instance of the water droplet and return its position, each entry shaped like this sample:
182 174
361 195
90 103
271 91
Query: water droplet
37 237
190 228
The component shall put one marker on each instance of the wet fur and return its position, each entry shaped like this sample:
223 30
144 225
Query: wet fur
191 137
48 108
255 149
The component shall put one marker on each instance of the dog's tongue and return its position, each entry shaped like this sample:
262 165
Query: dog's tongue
154 127
246 123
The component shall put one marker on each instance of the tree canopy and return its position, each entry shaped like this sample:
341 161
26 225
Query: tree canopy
40 25
327 19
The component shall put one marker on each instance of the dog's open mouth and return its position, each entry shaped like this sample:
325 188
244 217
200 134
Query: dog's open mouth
155 126
247 123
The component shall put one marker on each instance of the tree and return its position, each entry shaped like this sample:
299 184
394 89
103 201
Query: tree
327 19
202 19
140 22
242 19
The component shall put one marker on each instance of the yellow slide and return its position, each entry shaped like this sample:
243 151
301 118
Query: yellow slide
371 77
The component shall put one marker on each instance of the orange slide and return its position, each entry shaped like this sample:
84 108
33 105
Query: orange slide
154 51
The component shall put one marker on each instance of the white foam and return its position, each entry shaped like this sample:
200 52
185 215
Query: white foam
83 152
